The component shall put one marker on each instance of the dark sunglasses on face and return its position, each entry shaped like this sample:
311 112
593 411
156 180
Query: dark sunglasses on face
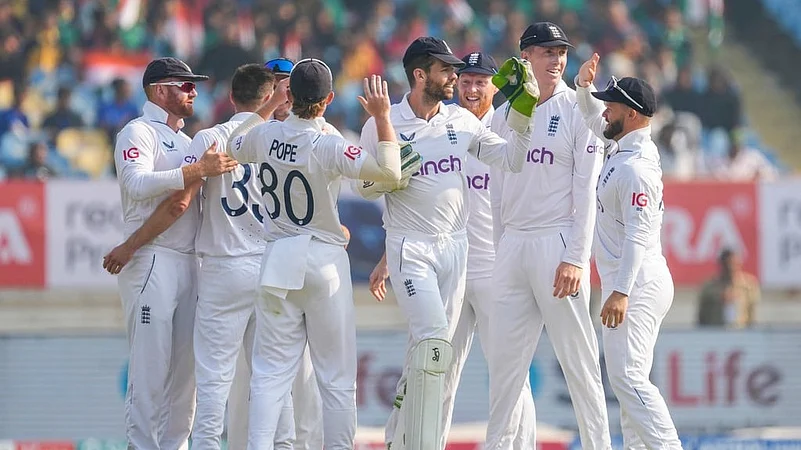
280 65
613 85
184 86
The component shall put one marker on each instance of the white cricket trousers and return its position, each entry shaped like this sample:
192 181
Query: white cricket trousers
322 313
479 297
305 401
525 266
629 355
227 293
158 292
428 275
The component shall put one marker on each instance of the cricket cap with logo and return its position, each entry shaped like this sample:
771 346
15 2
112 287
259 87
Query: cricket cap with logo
310 81
544 34
428 45
163 68
480 63
635 93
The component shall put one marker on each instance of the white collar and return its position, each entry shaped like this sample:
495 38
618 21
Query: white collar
156 113
408 114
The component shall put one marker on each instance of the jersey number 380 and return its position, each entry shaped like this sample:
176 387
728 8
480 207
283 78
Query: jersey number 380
269 189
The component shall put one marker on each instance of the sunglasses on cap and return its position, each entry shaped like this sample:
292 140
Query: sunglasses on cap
613 85
280 65
184 86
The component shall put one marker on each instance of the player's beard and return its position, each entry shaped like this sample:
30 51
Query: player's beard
613 129
178 105
436 92
477 108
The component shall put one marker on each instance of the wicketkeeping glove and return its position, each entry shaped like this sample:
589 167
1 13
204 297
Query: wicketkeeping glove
411 161
516 81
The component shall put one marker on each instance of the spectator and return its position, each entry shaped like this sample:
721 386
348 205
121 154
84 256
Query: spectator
683 96
14 119
729 299
36 168
63 116
744 163
679 143
721 102
113 115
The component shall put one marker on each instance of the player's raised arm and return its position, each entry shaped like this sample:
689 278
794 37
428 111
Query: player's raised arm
375 130
386 167
591 108
516 81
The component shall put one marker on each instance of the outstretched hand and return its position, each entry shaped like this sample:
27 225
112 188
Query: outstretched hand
587 71
376 97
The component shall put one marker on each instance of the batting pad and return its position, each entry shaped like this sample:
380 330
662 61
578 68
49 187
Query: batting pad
422 405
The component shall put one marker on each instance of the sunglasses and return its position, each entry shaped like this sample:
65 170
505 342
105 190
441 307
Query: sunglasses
613 85
280 65
184 86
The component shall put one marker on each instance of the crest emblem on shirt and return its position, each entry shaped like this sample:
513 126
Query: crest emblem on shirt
409 138
170 146
553 125
451 133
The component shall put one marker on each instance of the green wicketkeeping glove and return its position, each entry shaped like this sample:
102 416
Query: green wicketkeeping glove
516 81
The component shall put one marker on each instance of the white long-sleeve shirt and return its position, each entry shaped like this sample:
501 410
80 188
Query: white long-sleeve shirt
481 250
557 185
233 212
630 205
301 165
148 157
435 200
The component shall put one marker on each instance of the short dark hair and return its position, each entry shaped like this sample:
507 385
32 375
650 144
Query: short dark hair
250 84
419 62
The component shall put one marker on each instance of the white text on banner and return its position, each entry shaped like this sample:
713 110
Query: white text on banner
84 222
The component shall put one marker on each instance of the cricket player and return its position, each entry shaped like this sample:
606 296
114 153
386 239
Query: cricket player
306 401
158 285
635 279
305 275
230 243
475 92
543 238
426 216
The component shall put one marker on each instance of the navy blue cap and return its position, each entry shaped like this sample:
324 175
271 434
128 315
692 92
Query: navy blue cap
635 93
435 47
544 34
163 68
310 81
479 62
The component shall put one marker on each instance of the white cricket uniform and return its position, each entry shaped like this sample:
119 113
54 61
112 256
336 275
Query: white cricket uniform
628 254
426 242
306 290
158 286
230 242
544 216
479 293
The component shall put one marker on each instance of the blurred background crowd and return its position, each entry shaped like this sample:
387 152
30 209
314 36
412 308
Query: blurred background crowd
70 70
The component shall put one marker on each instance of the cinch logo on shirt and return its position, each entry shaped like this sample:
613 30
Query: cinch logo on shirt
444 165
480 182
539 155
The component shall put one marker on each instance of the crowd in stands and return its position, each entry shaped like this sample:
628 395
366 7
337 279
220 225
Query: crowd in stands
70 71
